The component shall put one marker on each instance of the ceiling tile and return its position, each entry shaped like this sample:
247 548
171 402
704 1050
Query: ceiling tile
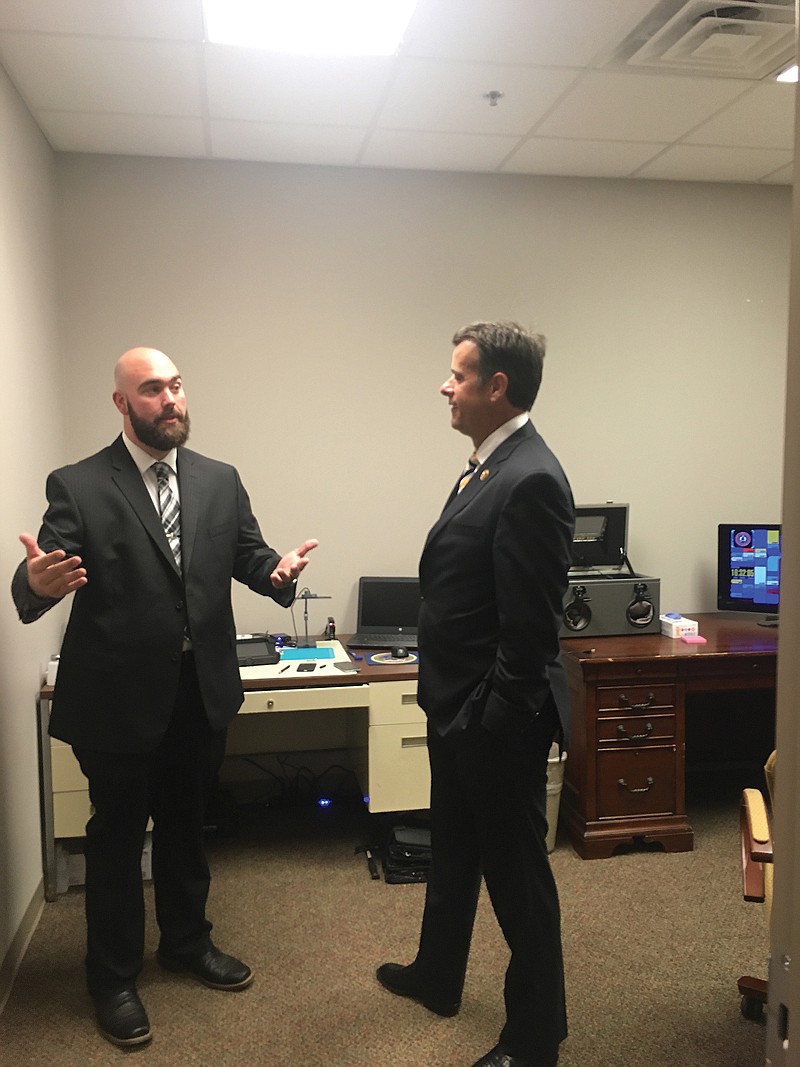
436 95
643 107
784 176
176 20
546 32
244 84
435 151
332 145
93 74
127 135
702 163
764 118
604 159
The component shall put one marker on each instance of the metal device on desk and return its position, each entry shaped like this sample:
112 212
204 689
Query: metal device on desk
606 597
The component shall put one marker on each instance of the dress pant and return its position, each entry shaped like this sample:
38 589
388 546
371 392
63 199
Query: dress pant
489 817
171 784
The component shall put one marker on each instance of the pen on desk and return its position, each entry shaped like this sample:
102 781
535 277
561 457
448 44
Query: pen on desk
286 668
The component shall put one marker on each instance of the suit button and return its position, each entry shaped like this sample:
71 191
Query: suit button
179 606
174 657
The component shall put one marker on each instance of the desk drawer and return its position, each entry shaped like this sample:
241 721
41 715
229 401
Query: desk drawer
394 702
635 699
635 729
740 668
71 811
312 699
399 773
66 771
636 782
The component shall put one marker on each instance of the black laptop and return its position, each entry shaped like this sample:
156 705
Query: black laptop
387 613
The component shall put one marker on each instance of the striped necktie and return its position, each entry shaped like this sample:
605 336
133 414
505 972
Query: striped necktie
472 463
170 510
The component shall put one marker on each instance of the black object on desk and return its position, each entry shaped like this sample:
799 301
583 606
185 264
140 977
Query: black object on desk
256 650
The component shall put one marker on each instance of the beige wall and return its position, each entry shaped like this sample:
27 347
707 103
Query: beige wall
31 441
311 311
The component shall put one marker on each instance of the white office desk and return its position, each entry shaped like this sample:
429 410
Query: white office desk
372 713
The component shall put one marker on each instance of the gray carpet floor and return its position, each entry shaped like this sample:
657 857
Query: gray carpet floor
654 945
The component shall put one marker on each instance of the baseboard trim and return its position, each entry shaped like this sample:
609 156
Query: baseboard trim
19 945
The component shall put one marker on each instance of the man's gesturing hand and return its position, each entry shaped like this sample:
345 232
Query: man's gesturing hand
52 574
291 565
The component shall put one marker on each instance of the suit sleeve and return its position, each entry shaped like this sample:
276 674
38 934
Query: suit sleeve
531 557
61 528
255 560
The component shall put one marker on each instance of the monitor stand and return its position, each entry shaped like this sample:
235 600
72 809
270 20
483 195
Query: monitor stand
768 620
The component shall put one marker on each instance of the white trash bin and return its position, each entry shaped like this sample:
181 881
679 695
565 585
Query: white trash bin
555 780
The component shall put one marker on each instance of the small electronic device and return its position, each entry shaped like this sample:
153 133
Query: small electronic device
306 667
254 650
749 569
346 666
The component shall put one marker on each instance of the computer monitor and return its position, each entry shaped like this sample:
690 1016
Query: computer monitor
749 569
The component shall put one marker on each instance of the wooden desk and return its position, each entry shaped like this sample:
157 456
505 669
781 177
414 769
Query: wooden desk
625 771
387 737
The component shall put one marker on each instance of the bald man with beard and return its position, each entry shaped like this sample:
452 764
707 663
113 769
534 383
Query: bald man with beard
148 679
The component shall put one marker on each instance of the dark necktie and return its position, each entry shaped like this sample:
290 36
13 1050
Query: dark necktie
170 510
472 464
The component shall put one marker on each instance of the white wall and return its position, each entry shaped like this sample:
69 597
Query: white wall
311 312
31 442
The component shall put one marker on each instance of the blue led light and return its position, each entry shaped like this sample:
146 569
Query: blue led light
324 802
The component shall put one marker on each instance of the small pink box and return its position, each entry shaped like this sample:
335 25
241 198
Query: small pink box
693 639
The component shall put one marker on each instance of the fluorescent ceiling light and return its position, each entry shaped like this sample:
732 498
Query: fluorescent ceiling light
310 27
788 75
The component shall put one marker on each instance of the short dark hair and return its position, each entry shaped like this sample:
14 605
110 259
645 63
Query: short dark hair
508 347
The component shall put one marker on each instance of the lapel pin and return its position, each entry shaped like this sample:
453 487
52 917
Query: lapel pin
484 475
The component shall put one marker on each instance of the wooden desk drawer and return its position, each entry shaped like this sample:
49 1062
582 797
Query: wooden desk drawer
399 773
635 729
394 702
636 782
611 673
739 667
635 699
312 699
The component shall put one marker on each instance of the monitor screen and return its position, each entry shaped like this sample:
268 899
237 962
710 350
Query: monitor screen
749 567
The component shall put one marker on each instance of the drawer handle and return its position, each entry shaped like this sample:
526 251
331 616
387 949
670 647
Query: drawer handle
635 737
270 703
408 698
642 789
625 703
413 742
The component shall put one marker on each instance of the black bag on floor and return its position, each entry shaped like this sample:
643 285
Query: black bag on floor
407 855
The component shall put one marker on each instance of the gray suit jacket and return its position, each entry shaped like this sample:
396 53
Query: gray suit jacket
121 654
493 574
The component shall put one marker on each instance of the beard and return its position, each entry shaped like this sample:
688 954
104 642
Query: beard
159 436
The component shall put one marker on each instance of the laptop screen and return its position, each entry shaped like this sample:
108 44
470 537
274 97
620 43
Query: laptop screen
387 605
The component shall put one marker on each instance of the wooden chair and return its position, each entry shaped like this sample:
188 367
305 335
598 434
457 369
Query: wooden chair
757 858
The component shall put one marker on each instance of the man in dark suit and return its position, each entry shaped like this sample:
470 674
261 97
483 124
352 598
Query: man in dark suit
492 577
148 677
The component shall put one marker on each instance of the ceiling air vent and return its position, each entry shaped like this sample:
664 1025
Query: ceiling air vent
745 40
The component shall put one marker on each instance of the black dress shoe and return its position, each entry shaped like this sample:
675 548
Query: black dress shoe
401 980
499 1057
122 1019
212 967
